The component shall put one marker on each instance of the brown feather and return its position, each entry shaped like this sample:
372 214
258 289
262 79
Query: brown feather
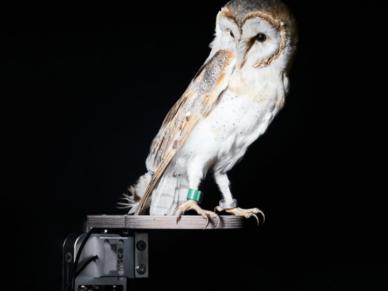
196 103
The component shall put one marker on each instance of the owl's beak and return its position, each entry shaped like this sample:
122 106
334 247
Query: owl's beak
242 54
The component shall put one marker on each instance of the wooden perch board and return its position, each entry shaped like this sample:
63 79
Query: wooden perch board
162 222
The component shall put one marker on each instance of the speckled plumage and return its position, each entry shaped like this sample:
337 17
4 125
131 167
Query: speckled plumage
241 8
228 105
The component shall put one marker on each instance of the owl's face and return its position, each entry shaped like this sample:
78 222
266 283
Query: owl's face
258 38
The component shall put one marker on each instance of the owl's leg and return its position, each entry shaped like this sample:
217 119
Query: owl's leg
223 183
195 174
228 204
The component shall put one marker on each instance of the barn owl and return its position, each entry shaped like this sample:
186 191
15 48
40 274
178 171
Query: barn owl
230 103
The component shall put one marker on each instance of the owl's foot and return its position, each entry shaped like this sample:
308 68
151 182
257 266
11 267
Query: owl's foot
247 213
193 205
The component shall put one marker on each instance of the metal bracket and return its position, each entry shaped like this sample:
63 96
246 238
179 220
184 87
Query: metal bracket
141 255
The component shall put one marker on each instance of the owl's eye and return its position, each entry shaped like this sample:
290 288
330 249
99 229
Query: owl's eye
231 33
261 37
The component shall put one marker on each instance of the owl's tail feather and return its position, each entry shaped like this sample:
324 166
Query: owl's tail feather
167 195
131 201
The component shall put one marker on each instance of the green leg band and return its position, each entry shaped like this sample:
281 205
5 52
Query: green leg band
194 195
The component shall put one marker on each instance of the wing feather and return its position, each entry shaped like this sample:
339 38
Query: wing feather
196 103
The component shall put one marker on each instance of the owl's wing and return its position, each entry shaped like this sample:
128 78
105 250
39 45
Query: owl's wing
196 103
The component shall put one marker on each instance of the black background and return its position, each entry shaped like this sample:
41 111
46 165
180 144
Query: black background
87 90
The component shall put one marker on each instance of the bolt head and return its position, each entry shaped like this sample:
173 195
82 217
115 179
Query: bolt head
141 269
141 245
68 257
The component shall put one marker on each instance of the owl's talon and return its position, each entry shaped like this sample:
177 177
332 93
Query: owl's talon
207 222
247 213
192 205
257 219
179 217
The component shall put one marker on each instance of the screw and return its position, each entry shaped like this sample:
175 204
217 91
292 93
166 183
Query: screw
141 269
141 245
68 257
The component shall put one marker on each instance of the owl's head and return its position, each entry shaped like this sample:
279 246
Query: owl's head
261 33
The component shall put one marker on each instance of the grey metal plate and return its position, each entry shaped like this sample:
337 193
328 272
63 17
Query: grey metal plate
163 222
